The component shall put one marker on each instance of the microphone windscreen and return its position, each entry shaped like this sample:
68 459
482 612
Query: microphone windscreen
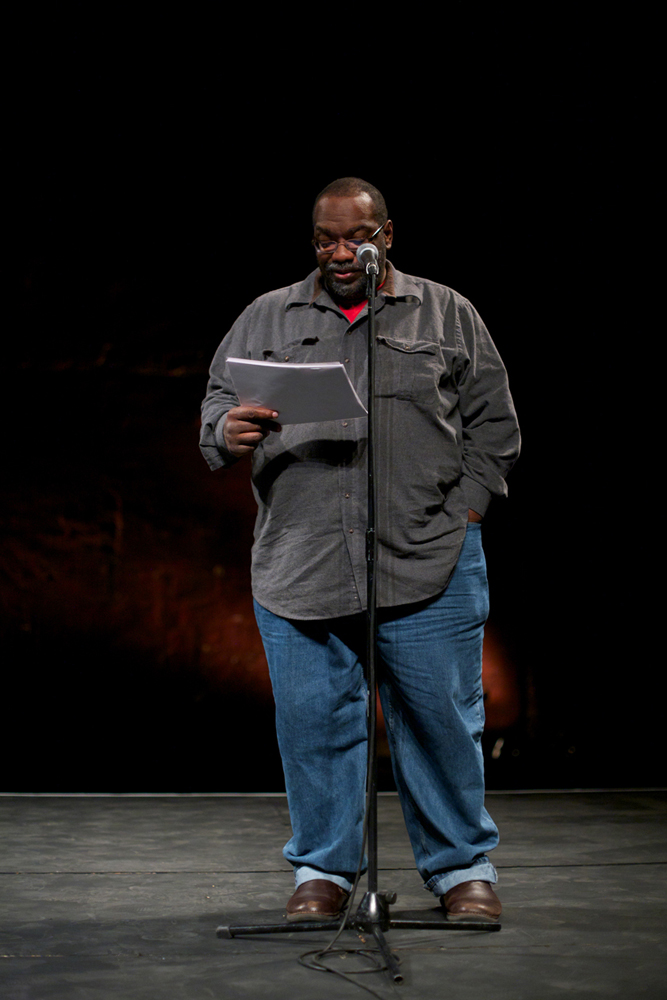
367 254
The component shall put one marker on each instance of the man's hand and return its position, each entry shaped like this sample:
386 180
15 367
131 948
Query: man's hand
474 516
246 426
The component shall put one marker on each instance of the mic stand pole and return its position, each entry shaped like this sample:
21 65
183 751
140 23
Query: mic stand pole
373 911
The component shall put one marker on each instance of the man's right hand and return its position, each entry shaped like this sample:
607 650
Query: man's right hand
246 426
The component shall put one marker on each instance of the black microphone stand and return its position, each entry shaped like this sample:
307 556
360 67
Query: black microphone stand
372 915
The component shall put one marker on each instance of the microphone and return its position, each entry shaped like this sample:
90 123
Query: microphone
367 255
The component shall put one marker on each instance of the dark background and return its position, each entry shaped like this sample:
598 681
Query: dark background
164 176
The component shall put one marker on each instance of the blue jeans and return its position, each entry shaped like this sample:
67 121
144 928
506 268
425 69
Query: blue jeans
430 684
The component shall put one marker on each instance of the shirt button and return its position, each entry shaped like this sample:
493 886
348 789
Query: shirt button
347 496
347 361
351 531
345 423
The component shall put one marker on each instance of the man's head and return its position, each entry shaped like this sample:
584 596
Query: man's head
349 209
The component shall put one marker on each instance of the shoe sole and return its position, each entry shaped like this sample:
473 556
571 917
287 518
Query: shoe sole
295 917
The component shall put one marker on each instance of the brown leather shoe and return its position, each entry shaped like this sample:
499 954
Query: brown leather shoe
317 899
471 901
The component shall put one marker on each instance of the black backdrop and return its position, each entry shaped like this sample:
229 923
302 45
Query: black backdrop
164 177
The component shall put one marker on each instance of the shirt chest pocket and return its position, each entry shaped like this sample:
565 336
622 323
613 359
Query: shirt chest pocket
303 351
410 370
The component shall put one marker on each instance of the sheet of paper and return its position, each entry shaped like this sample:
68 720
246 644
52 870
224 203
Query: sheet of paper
302 394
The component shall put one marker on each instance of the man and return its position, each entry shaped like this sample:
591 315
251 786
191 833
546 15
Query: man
447 436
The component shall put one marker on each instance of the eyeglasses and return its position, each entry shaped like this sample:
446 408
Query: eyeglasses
329 246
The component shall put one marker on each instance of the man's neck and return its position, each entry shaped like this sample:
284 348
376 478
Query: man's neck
352 311
387 287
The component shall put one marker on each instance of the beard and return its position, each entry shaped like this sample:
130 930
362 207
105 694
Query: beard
348 292
353 290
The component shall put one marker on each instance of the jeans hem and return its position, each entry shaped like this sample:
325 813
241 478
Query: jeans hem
303 873
482 871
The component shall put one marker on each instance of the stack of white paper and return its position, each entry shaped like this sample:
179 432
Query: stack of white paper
302 394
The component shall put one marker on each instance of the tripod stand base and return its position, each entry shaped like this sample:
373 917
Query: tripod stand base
373 911
372 917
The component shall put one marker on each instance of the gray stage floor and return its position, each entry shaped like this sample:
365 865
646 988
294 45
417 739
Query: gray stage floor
119 896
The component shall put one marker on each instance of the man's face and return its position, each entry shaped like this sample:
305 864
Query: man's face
345 218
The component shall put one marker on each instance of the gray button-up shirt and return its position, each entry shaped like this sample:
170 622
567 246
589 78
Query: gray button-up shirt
447 436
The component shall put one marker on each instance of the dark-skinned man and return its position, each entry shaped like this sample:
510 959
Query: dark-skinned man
446 438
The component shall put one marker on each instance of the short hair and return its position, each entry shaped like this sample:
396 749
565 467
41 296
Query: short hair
351 186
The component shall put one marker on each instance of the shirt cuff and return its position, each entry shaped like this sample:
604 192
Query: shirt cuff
225 457
477 497
219 433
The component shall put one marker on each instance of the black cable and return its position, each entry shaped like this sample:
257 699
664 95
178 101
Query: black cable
369 954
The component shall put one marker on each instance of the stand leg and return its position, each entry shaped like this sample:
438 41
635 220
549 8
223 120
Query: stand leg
373 918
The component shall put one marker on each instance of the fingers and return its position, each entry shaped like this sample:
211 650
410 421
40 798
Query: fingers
253 413
246 426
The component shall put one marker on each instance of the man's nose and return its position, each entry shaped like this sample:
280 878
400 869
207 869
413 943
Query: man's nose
343 252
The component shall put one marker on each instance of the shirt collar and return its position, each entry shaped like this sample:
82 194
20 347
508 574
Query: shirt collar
396 286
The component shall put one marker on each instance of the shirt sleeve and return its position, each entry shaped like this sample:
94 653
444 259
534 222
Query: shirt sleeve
221 395
491 438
